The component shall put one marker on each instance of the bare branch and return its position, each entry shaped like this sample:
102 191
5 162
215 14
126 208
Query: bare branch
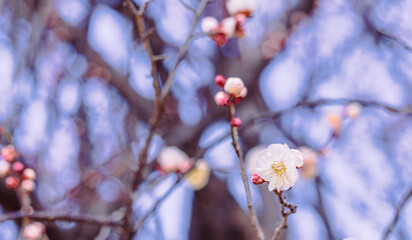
62 216
399 209
284 205
160 57
159 100
187 6
236 145
183 50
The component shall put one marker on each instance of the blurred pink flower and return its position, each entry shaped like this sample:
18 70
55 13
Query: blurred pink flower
172 159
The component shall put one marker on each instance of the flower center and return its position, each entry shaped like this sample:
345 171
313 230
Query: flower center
279 168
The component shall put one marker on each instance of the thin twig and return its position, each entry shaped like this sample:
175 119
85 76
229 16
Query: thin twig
62 216
236 145
399 209
284 205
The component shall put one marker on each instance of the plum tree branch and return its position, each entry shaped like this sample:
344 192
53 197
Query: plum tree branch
236 145
286 210
160 96
399 209
62 216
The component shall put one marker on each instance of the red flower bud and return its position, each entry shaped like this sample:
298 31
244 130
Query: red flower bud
220 80
256 179
18 167
236 122
12 182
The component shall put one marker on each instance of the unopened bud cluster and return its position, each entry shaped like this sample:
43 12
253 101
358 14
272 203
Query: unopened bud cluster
231 26
234 90
15 173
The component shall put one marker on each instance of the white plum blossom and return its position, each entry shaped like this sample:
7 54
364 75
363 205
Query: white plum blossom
235 87
278 165
245 7
172 159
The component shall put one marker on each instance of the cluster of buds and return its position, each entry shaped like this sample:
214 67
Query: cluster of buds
235 91
231 26
172 159
234 87
16 174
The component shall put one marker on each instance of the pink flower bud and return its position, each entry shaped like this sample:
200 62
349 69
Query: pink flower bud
34 230
221 98
18 167
256 179
12 182
9 153
235 87
4 168
220 80
28 185
236 122
29 174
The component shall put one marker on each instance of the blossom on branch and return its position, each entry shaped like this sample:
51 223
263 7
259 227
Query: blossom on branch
278 165
172 159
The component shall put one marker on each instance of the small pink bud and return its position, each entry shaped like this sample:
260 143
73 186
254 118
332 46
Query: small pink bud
236 122
4 168
12 182
220 80
34 230
29 174
9 153
18 167
28 185
221 98
256 179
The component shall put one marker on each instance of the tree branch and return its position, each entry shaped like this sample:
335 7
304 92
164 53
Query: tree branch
62 216
399 209
284 205
236 145
159 101
183 50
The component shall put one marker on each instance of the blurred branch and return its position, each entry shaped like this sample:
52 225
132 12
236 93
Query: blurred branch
236 145
68 217
157 204
399 209
187 6
160 97
284 205
183 50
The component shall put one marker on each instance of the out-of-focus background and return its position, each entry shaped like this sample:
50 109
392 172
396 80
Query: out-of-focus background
76 96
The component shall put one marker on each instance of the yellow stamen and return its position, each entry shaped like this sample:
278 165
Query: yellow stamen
279 168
